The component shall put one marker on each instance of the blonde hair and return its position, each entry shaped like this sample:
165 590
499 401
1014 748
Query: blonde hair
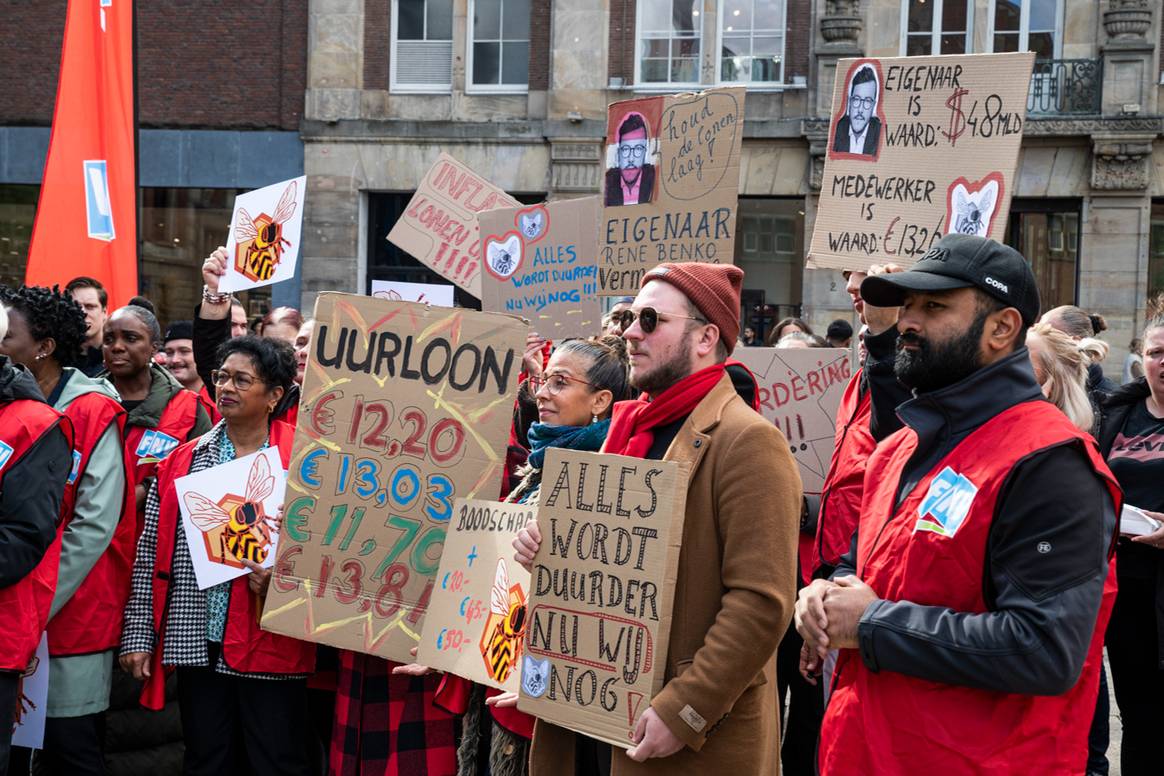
1064 365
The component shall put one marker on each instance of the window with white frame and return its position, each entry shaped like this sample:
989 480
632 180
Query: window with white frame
669 41
499 45
932 27
422 45
1027 25
751 41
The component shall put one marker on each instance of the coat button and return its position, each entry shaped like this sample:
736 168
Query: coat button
698 443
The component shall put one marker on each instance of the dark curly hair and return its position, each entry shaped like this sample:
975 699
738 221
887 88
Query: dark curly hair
51 314
274 360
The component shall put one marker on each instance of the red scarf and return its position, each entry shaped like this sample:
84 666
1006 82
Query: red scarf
632 427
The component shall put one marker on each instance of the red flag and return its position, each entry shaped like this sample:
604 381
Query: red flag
86 220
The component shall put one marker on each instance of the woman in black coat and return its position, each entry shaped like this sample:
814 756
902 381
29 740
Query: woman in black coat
1131 436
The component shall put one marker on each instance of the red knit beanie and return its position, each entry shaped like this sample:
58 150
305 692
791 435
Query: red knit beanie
713 288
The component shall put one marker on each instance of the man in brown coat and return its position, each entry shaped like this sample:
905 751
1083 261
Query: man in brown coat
736 584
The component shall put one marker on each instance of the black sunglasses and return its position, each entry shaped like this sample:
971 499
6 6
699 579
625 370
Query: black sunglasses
649 318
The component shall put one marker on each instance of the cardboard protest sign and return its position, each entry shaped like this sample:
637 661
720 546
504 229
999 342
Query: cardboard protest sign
439 228
32 701
603 584
671 183
800 391
404 408
476 616
263 242
229 513
399 291
540 263
919 147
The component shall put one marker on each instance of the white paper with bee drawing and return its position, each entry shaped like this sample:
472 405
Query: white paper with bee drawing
476 615
265 230
229 513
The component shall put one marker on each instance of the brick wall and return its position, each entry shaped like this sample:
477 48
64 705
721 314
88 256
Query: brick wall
539 46
377 43
201 63
797 39
621 62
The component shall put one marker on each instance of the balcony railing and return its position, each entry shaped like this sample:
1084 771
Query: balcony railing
1066 87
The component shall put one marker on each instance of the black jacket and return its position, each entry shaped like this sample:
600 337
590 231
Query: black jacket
1113 411
872 137
1042 608
614 185
30 505
886 395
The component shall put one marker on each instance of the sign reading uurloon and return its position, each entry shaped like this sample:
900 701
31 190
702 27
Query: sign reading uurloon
404 408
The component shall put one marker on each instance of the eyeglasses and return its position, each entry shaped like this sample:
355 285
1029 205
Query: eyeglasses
862 102
649 318
636 151
554 384
242 381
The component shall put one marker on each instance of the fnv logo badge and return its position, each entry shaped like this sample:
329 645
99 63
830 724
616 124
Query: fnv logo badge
5 453
154 444
98 210
946 504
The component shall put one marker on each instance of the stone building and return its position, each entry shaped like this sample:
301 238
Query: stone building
517 89
220 98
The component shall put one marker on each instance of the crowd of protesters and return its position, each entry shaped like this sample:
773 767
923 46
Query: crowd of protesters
943 604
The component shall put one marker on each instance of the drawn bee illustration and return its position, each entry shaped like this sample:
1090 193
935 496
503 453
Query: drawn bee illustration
503 257
25 704
534 675
972 214
260 240
245 530
501 639
531 225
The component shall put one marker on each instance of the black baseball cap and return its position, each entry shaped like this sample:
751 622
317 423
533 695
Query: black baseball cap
962 261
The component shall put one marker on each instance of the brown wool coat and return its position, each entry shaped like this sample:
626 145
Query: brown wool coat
733 601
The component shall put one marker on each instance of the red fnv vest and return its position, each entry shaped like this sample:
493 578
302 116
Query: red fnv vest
932 550
154 444
91 620
840 502
24 606
245 647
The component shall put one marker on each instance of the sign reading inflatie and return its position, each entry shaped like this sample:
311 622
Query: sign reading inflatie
440 226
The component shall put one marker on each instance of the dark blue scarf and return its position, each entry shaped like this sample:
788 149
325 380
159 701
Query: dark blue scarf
543 436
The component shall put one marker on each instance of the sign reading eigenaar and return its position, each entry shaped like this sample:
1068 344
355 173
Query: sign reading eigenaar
918 147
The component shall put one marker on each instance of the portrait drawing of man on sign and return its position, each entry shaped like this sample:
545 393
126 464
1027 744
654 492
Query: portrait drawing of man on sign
630 178
859 130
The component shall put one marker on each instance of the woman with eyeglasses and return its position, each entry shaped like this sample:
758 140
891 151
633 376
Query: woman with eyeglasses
161 413
575 395
233 677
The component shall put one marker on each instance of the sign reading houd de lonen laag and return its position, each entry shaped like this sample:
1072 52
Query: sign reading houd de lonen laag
918 147
405 407
672 175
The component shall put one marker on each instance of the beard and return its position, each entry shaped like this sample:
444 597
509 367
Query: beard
665 375
933 366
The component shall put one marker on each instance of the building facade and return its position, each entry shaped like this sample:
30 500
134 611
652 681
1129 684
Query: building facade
220 98
517 89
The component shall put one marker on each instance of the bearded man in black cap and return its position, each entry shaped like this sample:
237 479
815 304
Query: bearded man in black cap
970 610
